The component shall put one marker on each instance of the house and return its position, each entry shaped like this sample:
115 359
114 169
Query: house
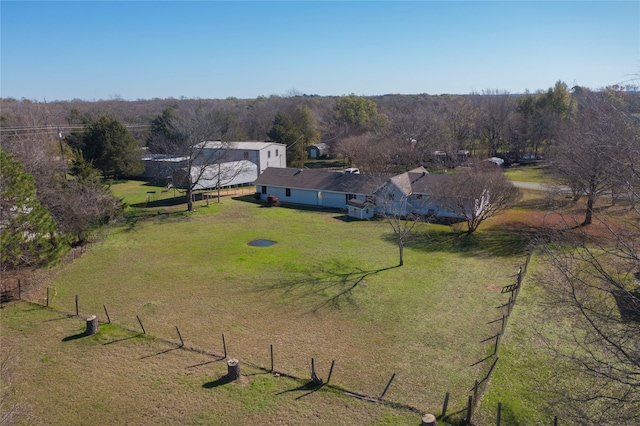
361 195
412 193
322 188
318 150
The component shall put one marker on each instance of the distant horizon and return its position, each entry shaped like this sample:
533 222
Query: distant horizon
287 95
91 51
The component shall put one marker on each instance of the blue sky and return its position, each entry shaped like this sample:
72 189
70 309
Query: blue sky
213 49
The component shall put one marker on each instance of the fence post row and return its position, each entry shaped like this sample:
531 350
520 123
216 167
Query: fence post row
472 399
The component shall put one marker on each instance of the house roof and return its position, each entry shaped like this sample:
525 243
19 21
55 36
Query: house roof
321 180
252 146
418 181
321 146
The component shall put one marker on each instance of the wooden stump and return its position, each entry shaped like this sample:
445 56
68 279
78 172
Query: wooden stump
92 326
429 420
233 369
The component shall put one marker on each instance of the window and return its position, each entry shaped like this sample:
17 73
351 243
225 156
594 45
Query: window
264 189
287 192
268 154
350 196
418 196
392 196
276 152
246 155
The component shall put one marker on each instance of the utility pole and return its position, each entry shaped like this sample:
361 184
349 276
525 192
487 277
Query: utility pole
64 165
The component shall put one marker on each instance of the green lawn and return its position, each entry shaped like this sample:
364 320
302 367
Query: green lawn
327 289
538 173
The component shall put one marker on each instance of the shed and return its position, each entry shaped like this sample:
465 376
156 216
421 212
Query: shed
318 150
360 209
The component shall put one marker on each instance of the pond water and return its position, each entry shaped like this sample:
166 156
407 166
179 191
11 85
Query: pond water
261 243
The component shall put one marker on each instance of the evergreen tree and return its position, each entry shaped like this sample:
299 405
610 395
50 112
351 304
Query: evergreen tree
111 148
29 235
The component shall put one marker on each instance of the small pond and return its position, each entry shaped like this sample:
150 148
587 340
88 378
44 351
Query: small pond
261 243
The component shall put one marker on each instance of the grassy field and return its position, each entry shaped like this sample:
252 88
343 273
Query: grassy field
119 377
538 173
327 289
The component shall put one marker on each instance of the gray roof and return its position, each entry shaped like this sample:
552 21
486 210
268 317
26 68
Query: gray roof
424 183
249 146
321 180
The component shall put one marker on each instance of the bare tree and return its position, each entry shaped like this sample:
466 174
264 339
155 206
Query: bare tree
594 147
496 111
396 202
592 286
477 194
203 138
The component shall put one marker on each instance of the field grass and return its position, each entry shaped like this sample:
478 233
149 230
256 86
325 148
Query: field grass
328 289
538 173
120 377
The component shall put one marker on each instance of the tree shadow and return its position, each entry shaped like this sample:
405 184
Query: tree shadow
332 282
494 243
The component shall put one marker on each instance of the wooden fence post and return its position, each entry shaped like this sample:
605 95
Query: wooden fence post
77 310
47 297
444 405
387 387
19 290
467 419
141 326
180 336
224 345
499 414
314 377
475 391
271 348
107 313
331 370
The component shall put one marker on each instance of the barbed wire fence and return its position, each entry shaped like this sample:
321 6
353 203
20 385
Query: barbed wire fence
459 415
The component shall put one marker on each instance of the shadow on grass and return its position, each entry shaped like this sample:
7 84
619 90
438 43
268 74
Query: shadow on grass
508 417
57 319
160 353
501 243
224 380
75 337
309 387
333 283
119 340
202 364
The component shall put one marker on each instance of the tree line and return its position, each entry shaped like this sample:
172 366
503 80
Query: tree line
72 148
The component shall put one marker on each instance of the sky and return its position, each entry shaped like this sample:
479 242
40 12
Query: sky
93 50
